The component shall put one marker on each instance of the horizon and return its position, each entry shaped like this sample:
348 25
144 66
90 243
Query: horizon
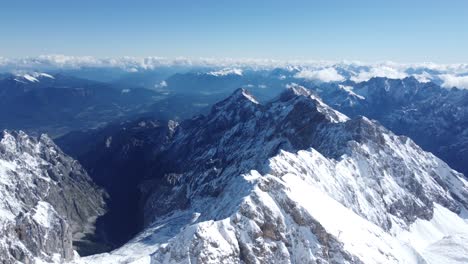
446 75
364 30
59 60
219 59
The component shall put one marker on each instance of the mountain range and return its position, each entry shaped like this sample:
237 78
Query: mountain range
58 104
185 167
436 118
291 180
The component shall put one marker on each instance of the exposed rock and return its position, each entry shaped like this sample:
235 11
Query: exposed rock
47 200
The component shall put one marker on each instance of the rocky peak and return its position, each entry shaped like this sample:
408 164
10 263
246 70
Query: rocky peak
240 105
304 102
239 98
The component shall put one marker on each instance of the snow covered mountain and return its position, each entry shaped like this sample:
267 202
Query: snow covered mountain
32 77
435 118
294 181
47 201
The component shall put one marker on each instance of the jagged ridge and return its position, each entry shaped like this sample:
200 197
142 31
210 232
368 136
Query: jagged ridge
282 182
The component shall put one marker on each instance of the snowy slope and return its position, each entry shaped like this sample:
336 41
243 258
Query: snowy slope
436 118
32 77
294 181
46 200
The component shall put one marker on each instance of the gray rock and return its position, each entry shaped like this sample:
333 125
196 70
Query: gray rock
47 200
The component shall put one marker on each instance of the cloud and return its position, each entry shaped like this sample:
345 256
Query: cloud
59 61
450 80
325 71
324 75
379 71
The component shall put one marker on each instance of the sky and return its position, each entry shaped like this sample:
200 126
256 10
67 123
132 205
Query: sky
364 30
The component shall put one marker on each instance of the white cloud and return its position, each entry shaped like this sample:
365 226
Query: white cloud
325 71
380 71
450 80
58 61
324 75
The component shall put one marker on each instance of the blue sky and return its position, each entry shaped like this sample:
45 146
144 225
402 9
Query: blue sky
402 31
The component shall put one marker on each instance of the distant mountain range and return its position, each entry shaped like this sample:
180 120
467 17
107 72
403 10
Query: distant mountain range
58 104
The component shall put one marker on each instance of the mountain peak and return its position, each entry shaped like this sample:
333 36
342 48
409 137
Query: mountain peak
243 93
239 97
298 90
295 92
239 104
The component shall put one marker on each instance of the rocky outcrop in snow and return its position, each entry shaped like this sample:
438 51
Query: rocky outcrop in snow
47 200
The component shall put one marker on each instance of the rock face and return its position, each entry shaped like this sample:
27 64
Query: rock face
294 181
47 200
118 158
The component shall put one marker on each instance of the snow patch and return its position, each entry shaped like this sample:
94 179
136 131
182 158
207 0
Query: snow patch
249 96
349 90
108 142
226 71
43 213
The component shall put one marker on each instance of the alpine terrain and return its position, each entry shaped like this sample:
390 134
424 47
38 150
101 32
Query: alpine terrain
48 203
289 181
434 117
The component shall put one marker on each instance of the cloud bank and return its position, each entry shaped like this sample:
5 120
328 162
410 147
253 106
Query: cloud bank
446 75
323 75
450 80
380 71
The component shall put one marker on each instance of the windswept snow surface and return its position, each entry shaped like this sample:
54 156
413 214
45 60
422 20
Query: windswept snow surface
336 191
